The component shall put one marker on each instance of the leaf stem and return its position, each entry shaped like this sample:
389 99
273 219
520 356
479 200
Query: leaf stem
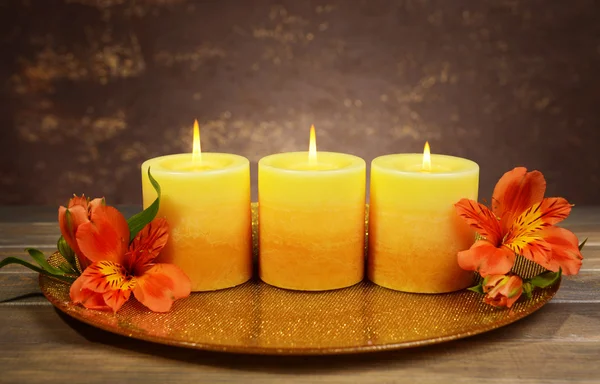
14 260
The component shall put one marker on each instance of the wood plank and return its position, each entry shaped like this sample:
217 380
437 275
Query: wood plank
557 343
584 215
47 214
591 258
20 289
459 362
581 288
21 235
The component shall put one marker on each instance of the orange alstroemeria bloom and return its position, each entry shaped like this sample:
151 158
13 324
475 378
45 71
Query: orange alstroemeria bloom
77 212
521 221
502 290
119 269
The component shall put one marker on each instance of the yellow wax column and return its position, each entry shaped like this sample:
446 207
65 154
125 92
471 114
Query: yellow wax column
414 231
311 220
206 201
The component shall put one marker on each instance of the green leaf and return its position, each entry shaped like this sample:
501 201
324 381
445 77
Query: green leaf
68 269
528 289
66 251
138 221
583 243
14 260
477 288
546 279
41 260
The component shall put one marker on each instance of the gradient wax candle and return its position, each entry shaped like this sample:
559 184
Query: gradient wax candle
414 231
206 201
311 219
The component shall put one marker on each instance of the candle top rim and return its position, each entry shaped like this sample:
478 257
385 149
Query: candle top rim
237 162
353 162
462 166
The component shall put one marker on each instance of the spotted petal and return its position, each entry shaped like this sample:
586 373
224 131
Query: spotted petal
480 218
146 245
526 234
539 216
102 285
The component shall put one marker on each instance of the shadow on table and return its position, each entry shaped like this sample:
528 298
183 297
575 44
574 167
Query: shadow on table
24 298
312 364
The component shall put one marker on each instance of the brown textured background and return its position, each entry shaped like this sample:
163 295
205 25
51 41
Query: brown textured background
91 88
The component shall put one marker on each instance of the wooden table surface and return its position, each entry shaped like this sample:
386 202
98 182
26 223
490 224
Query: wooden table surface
559 343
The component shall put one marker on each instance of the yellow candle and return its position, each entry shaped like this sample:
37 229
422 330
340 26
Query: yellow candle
206 201
414 231
311 219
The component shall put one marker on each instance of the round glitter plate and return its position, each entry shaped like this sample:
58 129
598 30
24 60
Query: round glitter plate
256 318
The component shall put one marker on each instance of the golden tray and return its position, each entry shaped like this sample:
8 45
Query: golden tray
256 318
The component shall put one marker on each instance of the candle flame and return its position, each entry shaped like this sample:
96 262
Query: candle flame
312 147
426 158
196 151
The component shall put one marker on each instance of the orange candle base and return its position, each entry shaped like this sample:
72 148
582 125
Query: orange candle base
316 258
421 262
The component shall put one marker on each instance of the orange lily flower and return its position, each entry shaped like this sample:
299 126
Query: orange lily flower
117 270
502 290
78 212
521 221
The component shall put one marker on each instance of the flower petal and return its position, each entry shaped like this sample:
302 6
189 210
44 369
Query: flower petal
146 245
525 235
103 276
105 236
97 202
516 191
505 292
86 297
81 201
160 285
512 290
496 301
480 218
492 281
487 259
534 248
539 216
554 210
564 251
103 283
69 220
116 298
